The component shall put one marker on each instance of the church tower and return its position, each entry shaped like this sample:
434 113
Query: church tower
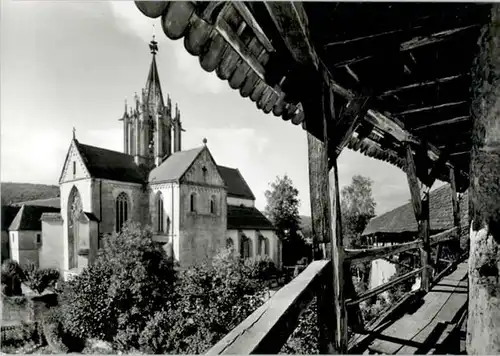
148 123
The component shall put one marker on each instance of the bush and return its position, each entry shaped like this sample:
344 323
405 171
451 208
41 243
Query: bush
12 277
41 279
214 297
114 298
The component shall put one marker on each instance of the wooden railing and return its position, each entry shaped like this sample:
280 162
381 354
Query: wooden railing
267 329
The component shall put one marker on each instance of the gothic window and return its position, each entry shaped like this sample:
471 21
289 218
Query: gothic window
74 167
264 246
192 202
159 208
212 205
74 211
121 211
229 243
246 247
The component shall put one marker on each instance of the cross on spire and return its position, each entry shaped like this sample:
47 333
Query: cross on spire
153 45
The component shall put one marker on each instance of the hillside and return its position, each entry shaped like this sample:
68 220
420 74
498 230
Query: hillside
305 222
17 192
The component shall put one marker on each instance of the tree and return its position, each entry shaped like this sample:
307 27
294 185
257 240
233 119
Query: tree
283 210
114 298
357 207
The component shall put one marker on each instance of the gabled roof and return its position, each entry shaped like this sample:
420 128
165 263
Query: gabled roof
50 202
402 219
241 217
9 212
237 187
108 164
28 217
173 168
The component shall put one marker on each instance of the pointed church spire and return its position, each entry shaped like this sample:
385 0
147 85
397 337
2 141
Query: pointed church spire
154 95
74 133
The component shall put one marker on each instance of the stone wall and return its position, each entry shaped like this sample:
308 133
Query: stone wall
51 253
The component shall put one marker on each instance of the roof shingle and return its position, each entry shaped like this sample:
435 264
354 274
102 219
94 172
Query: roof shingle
28 217
237 187
174 166
241 217
112 165
402 219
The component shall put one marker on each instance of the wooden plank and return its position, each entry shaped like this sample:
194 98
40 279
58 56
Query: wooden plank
267 329
404 330
369 254
384 287
454 304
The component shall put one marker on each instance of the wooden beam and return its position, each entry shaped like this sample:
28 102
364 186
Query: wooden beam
386 286
354 112
420 202
444 122
412 44
267 329
290 19
430 108
421 85
369 254
254 25
434 38
456 211
444 236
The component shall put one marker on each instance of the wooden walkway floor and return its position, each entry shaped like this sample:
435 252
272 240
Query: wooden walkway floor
434 326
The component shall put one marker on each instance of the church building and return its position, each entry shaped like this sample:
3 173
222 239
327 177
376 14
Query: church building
192 204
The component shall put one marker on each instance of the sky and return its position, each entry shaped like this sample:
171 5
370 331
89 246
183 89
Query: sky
68 64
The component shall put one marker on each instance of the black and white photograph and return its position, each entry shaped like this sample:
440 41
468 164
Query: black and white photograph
250 177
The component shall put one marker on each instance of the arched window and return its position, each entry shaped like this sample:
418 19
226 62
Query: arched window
74 210
229 243
121 211
264 246
159 207
192 202
212 205
246 247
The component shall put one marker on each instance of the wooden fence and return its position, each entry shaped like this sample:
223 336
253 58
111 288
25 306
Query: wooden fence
267 329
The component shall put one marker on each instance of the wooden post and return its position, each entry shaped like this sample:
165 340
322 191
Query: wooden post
483 324
456 213
420 202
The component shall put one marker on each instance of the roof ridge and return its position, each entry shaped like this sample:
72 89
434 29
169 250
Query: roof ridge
102 148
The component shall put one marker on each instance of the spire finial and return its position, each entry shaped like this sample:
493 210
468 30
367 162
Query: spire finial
153 45
205 141
74 133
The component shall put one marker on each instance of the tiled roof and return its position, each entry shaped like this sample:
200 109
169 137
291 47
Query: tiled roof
28 217
237 187
9 212
50 202
51 216
240 217
402 219
174 166
112 165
